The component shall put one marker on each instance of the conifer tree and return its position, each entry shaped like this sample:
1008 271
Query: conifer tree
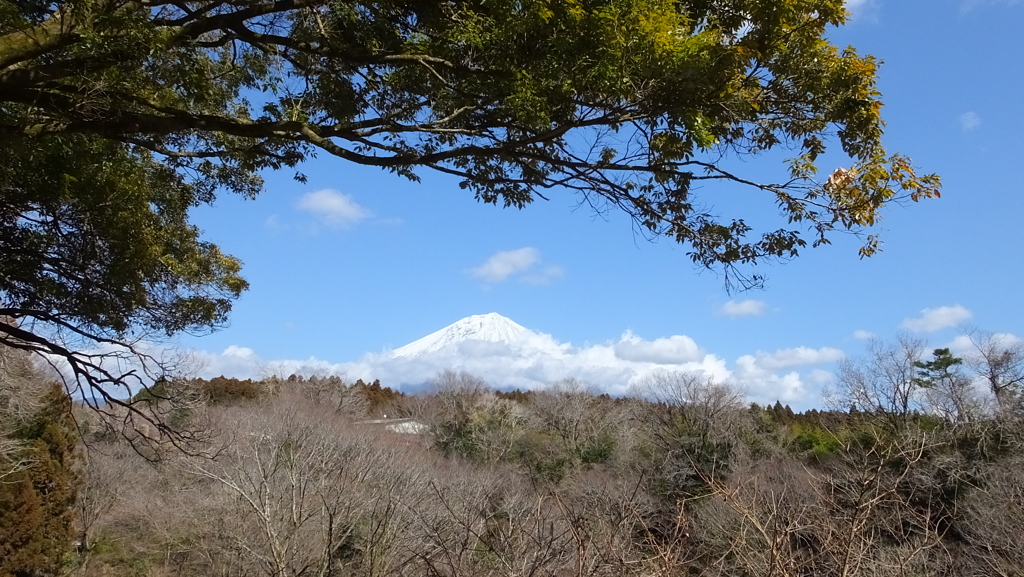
36 515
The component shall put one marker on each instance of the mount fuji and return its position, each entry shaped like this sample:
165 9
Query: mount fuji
507 354
478 334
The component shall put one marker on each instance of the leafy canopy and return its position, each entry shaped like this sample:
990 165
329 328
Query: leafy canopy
118 116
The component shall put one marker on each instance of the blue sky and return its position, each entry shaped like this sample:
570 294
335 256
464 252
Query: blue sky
358 261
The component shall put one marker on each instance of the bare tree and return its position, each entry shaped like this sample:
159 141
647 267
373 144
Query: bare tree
993 516
292 481
388 540
498 426
120 379
584 426
874 507
103 474
455 387
455 394
491 523
21 390
693 421
884 382
691 404
609 521
955 400
877 519
469 420
319 387
999 361
764 521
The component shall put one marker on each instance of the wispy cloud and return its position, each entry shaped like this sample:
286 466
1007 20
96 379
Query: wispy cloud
743 308
521 263
863 335
332 208
970 121
545 275
796 357
862 9
506 263
938 318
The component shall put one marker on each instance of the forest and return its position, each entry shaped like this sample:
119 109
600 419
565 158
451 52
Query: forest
920 473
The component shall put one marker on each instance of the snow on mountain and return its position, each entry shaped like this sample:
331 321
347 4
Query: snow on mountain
508 355
489 328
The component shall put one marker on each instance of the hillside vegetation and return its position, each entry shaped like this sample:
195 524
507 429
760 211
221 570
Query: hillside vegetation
289 477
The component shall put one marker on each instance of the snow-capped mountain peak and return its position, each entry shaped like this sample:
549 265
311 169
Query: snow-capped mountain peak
491 327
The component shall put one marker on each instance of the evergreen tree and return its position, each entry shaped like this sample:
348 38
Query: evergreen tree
942 366
36 515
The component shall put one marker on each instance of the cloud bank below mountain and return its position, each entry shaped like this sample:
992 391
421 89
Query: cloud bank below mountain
528 360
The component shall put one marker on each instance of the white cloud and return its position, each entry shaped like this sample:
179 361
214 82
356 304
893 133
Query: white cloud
795 357
863 335
820 377
970 121
672 350
239 352
507 263
961 345
743 308
520 263
937 318
759 375
964 346
545 276
538 359
332 208
244 363
766 387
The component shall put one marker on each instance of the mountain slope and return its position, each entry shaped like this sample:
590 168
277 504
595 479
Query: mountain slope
491 327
